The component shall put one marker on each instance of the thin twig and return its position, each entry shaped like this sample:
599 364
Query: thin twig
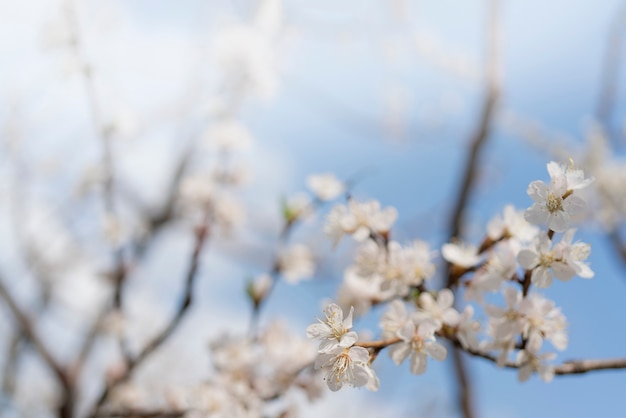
568 367
67 403
202 233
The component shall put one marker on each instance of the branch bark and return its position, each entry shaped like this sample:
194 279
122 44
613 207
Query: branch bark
66 407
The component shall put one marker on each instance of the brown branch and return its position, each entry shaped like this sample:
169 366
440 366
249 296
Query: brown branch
378 345
202 233
566 368
470 173
585 366
140 414
66 408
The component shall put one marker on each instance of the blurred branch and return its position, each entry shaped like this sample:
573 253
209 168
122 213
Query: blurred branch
141 414
157 220
103 132
468 179
618 245
610 71
202 233
67 404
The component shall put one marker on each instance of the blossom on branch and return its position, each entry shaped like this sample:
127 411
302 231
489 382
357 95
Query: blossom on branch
564 261
347 366
325 186
556 204
334 331
359 220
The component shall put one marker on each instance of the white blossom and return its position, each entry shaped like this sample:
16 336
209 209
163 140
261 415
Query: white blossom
359 220
228 135
296 206
418 343
400 267
325 186
362 291
530 363
467 328
440 310
348 366
506 323
499 267
513 224
394 319
564 260
334 331
557 205
296 263
461 254
542 321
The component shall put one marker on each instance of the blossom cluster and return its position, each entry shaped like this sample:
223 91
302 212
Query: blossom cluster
252 375
516 255
345 362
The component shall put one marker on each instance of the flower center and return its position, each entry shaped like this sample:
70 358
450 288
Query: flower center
554 203
546 260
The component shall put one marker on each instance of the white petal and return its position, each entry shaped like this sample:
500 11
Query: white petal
546 374
324 360
373 383
450 317
537 214
524 373
541 277
534 342
328 345
563 271
361 234
334 380
583 270
559 341
559 221
418 363
445 298
334 313
398 352
317 331
361 377
359 354
538 191
348 339
574 205
436 351
407 331
528 259
347 323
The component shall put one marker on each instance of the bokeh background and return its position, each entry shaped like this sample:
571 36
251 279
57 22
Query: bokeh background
390 91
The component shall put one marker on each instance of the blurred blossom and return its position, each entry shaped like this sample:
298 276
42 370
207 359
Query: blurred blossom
296 263
325 186
228 135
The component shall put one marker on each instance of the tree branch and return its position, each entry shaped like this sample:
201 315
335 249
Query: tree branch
66 408
202 233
